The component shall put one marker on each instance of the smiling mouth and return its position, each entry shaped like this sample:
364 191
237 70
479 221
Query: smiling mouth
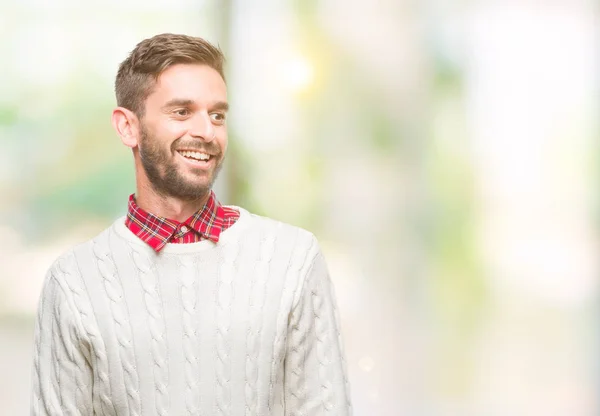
195 156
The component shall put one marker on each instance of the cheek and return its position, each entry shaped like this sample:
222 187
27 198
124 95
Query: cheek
168 133
223 142
174 130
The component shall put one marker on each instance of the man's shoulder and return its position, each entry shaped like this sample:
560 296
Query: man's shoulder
67 263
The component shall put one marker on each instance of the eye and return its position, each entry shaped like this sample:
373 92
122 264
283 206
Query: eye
218 117
182 112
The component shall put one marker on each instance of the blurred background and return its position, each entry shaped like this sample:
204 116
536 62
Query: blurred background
445 153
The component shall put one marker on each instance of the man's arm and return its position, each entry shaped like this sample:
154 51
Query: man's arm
61 376
315 368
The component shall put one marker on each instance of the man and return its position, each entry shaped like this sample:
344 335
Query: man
185 306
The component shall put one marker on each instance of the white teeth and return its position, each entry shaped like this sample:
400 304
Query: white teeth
195 155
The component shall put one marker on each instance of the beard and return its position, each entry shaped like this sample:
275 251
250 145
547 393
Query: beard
164 174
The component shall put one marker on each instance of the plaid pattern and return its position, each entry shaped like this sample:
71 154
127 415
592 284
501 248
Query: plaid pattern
207 223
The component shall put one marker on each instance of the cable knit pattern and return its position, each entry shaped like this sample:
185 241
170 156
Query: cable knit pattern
295 360
62 381
296 381
315 345
152 300
37 342
55 359
118 309
70 360
324 345
68 269
251 321
296 262
340 346
54 402
190 340
223 315
258 287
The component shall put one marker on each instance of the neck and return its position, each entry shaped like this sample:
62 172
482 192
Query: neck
166 206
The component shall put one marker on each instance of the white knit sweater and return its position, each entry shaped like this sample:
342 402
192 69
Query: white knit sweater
247 326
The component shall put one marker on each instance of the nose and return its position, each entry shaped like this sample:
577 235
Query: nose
202 128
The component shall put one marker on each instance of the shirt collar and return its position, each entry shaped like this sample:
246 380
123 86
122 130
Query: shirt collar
157 231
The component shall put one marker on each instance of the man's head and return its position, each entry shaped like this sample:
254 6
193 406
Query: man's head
172 104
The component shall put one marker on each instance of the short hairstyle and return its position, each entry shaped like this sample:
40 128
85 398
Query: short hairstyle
138 73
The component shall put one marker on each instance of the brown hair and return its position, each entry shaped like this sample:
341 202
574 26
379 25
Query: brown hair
138 73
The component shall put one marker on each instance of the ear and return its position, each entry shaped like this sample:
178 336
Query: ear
127 126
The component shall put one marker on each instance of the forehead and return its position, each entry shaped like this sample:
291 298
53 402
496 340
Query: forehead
195 82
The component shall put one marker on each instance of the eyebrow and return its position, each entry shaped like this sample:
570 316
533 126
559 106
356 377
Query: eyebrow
219 105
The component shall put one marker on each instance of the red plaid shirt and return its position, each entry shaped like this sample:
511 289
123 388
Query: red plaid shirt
207 223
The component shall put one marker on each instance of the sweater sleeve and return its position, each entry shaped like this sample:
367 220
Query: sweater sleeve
315 373
61 374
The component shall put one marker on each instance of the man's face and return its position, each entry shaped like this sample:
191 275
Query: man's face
183 137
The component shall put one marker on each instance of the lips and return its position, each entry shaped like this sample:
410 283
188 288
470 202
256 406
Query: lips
195 155
197 160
